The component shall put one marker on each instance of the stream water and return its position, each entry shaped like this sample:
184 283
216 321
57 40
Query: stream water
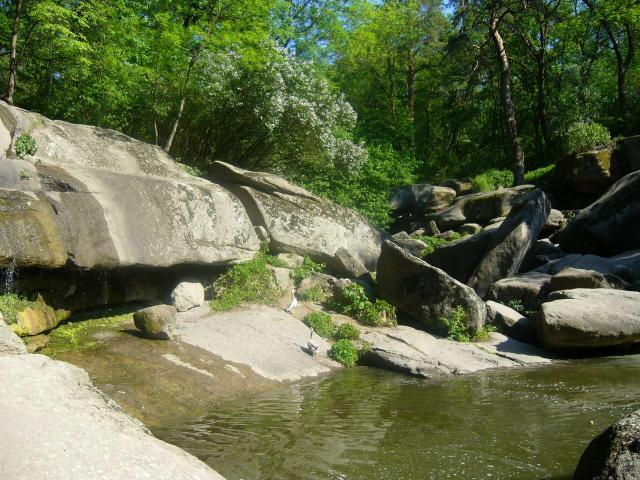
362 423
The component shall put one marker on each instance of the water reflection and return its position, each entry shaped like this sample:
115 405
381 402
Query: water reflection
525 424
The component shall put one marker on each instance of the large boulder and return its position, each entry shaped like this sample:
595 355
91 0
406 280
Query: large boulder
578 278
498 253
590 318
610 225
614 454
625 265
299 222
32 318
479 207
421 199
423 291
530 289
510 243
95 198
462 186
586 172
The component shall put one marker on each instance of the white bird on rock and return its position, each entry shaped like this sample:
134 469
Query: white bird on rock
293 304
312 345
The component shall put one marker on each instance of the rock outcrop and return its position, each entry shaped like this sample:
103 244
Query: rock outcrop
98 199
479 207
608 226
299 222
531 289
10 343
55 425
423 291
581 319
614 454
421 199
510 322
497 253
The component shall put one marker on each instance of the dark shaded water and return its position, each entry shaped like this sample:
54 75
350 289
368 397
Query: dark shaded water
368 424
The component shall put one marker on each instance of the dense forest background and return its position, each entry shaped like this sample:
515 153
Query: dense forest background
350 98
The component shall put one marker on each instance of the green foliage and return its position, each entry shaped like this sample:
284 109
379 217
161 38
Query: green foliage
434 242
345 352
346 331
492 180
366 191
249 281
24 175
457 330
11 305
540 177
191 170
517 305
356 304
314 294
307 268
25 145
321 323
583 136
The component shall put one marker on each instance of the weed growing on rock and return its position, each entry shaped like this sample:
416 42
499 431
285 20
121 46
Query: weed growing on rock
321 323
457 329
492 179
25 145
24 175
435 242
356 304
346 331
345 352
307 268
586 135
11 305
517 305
249 281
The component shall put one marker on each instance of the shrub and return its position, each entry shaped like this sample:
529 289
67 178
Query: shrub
357 305
314 294
345 352
25 145
321 323
492 179
540 176
24 175
307 268
11 305
431 242
457 329
346 331
516 305
582 136
246 282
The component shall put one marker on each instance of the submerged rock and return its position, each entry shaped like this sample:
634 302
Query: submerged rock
614 454
55 425
590 318
187 295
423 291
156 322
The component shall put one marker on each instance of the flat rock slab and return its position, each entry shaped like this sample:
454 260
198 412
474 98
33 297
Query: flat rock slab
270 341
56 425
412 351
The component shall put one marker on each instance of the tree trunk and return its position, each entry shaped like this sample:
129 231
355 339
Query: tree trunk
176 122
411 94
13 64
517 154
542 108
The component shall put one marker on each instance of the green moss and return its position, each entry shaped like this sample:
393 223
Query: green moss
346 331
321 323
345 352
77 335
11 305
541 176
249 281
